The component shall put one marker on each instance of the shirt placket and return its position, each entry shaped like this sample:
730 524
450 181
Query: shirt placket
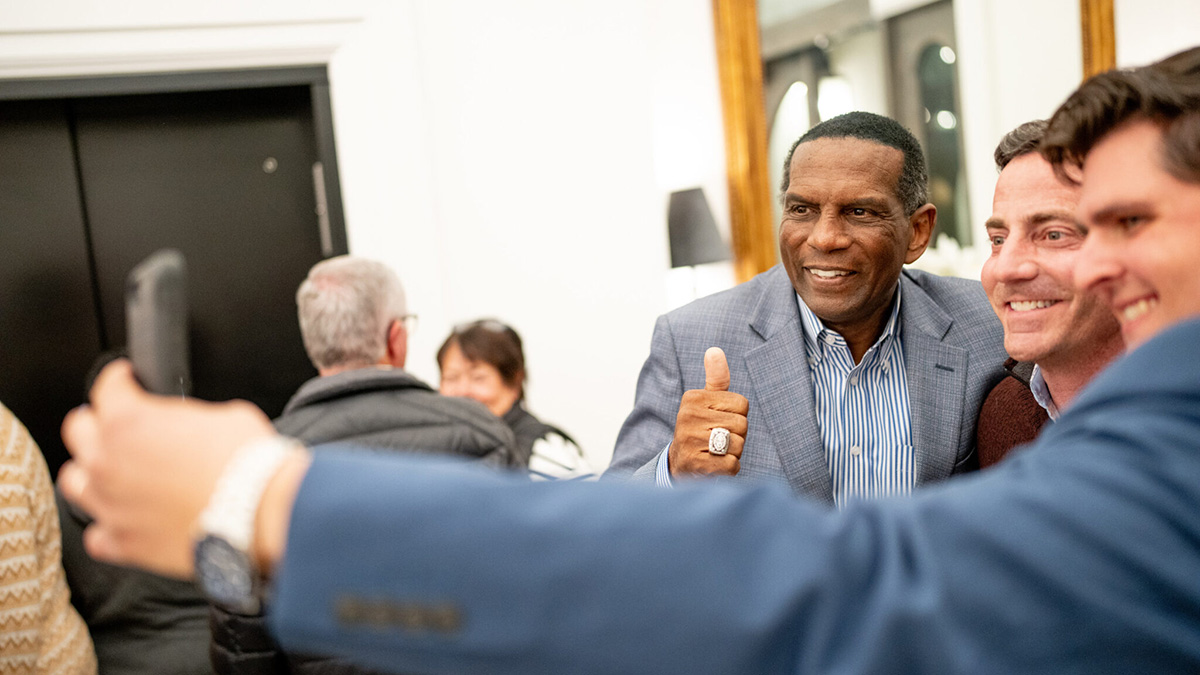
850 403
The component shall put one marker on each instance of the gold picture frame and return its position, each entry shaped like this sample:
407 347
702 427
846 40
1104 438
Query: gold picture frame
739 63
1099 36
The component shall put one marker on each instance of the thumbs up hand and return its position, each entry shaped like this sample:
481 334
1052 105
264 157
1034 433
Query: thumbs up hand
701 411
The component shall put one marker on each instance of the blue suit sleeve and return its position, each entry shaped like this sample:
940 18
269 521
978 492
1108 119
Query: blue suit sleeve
1078 556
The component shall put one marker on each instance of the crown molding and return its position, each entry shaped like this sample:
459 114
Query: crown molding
100 51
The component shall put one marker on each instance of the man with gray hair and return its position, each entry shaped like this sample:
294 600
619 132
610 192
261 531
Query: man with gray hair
353 321
353 315
352 318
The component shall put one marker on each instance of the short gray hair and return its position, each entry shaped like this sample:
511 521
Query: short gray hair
345 306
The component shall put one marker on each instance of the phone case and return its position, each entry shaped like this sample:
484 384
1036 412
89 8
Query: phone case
156 323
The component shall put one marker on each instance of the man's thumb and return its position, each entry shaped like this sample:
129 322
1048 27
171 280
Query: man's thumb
716 370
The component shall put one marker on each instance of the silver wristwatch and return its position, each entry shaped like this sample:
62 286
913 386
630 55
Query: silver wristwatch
225 568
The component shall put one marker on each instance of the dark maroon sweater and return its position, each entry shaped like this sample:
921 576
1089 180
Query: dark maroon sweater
1010 415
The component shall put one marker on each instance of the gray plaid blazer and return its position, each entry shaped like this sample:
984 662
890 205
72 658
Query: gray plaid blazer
953 355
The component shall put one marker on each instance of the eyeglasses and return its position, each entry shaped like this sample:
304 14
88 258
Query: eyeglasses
410 322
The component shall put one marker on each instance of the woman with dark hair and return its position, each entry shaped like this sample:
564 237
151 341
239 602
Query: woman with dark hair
483 360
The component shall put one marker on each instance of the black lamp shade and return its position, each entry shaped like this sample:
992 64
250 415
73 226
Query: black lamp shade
692 230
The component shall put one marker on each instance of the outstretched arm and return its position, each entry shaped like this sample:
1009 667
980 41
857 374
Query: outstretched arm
1079 557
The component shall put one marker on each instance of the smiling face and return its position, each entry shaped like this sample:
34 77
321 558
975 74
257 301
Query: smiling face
478 380
1028 278
1142 254
845 236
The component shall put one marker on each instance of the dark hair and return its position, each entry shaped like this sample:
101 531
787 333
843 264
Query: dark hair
1166 93
491 342
913 185
1019 142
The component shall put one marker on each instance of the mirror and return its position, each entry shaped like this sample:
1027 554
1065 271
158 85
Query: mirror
817 58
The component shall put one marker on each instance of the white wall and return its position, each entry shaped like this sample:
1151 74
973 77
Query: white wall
509 159
1148 30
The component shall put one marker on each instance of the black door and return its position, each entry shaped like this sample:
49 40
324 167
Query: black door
89 186
49 332
227 178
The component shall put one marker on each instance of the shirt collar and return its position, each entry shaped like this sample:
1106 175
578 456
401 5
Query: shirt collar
1041 392
816 333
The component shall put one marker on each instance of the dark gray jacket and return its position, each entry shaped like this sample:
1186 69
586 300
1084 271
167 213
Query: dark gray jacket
141 623
381 408
389 409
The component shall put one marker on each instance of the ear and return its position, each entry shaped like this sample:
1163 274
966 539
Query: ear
922 222
397 344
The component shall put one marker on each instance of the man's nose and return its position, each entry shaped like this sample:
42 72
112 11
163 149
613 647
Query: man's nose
1016 261
1098 263
829 233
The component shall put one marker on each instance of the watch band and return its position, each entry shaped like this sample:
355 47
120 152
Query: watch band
232 508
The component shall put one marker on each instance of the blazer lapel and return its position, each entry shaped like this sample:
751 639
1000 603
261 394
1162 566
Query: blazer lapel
937 382
778 369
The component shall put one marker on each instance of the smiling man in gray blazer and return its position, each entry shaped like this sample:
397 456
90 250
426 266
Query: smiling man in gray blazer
843 375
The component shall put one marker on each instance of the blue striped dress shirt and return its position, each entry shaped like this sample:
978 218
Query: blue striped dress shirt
862 409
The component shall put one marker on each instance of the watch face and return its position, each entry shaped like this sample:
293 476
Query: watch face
226 575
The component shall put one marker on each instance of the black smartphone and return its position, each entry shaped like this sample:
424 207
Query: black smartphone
156 323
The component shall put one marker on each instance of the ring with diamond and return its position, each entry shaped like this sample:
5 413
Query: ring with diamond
718 441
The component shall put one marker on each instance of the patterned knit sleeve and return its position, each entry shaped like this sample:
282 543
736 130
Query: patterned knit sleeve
40 632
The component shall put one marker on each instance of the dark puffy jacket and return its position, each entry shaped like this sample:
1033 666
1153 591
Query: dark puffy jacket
389 409
381 408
